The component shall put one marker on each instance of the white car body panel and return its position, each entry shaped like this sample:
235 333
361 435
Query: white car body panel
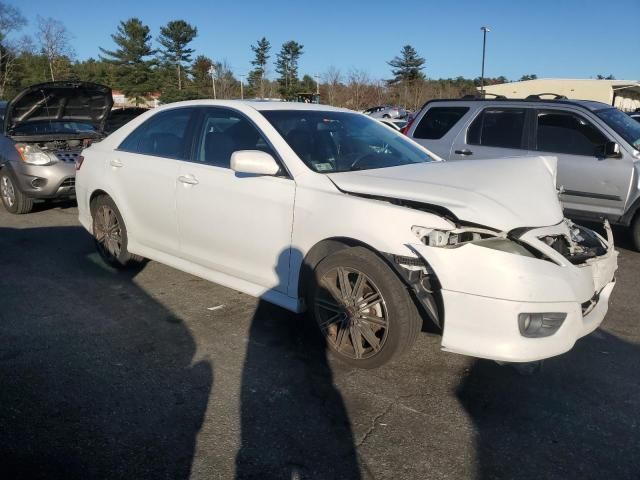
252 233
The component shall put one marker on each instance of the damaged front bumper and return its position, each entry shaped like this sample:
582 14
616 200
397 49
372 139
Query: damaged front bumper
484 292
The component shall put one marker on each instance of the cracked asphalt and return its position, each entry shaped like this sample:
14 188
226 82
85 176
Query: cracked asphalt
153 373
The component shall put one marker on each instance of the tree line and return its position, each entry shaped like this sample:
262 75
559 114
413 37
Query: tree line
139 64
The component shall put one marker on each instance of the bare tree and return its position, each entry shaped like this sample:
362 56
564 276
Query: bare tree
54 41
332 79
11 21
10 51
358 81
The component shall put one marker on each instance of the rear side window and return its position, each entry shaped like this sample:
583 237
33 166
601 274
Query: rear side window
163 135
498 127
437 121
564 132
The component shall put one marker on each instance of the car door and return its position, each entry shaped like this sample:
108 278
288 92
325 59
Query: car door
233 223
144 170
434 129
494 133
589 182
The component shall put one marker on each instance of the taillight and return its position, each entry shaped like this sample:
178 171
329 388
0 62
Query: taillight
79 161
405 130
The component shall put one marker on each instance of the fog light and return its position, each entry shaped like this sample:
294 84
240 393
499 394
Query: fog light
38 182
537 325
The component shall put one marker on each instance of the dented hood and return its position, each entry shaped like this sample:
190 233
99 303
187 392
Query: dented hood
66 101
503 194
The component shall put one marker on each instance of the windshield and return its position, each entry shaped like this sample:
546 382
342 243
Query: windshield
623 124
53 128
330 142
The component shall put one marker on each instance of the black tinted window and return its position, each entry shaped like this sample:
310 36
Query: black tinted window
163 135
223 132
498 127
560 132
438 121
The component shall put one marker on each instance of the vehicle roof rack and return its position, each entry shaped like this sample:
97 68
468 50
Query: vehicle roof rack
537 96
476 97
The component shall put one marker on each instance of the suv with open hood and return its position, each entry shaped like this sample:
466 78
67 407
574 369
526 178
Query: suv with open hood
46 127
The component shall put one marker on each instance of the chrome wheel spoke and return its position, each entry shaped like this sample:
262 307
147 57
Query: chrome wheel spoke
324 325
370 337
343 282
329 305
369 302
358 287
381 322
356 341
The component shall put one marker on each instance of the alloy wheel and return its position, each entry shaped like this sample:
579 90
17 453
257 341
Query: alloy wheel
351 313
7 191
108 232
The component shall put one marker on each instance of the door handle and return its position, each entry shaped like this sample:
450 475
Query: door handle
463 152
116 163
188 180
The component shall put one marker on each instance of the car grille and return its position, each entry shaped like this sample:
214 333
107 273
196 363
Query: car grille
68 157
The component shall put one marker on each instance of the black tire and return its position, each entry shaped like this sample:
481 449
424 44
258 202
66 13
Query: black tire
13 199
112 246
393 320
635 232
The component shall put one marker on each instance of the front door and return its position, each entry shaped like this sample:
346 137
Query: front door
233 223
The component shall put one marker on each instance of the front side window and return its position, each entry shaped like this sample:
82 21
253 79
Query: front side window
564 132
498 127
437 121
223 132
329 141
163 135
623 125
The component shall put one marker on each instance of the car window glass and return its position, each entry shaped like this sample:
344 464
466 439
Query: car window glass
163 135
437 121
223 132
563 132
498 127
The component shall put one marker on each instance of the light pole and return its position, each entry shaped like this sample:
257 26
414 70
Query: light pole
484 49
212 72
317 77
241 87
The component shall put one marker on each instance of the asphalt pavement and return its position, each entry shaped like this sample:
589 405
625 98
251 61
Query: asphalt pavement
152 374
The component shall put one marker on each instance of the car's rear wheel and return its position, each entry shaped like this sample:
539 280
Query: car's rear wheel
13 199
110 233
362 309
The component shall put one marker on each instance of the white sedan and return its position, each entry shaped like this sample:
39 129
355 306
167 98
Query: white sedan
326 210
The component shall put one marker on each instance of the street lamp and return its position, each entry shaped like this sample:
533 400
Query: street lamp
212 72
484 49
317 77
241 86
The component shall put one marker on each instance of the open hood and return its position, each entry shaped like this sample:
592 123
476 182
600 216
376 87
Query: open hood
68 101
503 194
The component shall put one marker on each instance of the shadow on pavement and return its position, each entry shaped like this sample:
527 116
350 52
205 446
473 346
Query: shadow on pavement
97 379
306 433
577 418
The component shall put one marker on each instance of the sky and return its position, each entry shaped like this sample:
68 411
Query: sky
559 38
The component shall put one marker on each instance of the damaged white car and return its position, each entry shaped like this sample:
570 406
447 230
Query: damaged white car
322 209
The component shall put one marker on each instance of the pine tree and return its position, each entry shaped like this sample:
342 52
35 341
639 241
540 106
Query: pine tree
256 76
175 37
287 67
408 66
134 74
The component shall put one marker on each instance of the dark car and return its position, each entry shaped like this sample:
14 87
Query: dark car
636 115
121 116
45 128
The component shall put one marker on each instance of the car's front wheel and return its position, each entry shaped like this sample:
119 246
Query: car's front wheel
110 233
13 199
362 308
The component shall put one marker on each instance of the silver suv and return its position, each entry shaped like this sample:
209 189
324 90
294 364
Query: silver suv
597 146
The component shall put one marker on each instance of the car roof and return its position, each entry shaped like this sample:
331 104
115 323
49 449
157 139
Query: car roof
586 104
260 105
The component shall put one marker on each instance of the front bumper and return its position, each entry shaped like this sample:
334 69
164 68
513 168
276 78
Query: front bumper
45 181
484 291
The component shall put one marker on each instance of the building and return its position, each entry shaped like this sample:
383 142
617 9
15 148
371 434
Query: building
624 94
120 101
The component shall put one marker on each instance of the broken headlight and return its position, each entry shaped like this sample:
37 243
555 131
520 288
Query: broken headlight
33 155
469 235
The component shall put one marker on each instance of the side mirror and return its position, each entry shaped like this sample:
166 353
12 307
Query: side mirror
254 162
612 150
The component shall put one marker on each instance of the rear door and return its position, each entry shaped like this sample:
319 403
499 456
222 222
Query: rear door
495 132
591 183
437 126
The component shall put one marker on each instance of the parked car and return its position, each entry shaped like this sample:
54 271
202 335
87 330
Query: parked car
385 111
45 128
121 116
597 146
319 208
395 123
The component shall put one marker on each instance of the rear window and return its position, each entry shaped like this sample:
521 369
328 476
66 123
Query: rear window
438 121
498 127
